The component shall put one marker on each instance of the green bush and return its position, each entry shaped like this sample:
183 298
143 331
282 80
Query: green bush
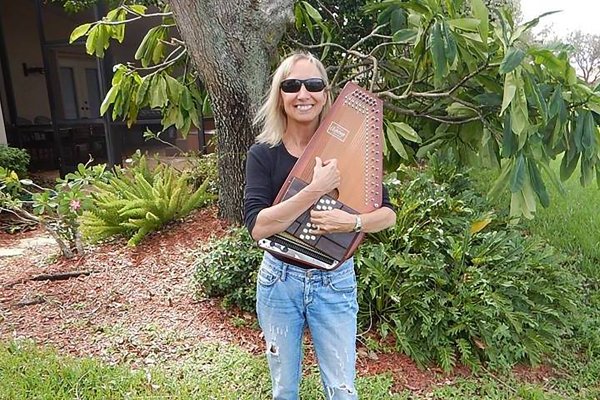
227 268
139 201
451 281
14 159
204 167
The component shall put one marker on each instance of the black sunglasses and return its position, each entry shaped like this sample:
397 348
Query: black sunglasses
294 85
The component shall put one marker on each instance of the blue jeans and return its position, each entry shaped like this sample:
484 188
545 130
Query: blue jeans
290 298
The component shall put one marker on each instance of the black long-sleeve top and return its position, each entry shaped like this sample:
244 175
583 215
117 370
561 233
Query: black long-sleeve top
266 170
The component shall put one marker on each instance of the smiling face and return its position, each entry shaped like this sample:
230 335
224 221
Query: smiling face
303 106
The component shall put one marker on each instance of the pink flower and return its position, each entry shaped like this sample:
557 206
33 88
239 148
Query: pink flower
75 205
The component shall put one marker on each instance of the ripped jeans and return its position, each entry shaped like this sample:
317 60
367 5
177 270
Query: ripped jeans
290 298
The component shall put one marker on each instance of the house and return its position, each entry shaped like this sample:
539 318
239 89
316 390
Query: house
51 91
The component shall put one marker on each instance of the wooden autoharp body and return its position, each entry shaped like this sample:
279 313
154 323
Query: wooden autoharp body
351 133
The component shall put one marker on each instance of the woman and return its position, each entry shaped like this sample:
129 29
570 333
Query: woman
291 297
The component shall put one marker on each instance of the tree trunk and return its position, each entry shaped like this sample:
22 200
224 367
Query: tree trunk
231 43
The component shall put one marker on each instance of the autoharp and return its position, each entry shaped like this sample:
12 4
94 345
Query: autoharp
351 133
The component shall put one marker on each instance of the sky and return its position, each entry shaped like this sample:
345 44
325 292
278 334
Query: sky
576 14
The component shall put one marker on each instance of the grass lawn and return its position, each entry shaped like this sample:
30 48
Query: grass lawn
27 372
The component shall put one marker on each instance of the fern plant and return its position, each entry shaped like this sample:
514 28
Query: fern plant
139 201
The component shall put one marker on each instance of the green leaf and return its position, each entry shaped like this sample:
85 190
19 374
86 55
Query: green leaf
397 20
138 8
119 30
552 176
109 99
298 15
587 172
174 88
556 103
418 8
143 90
395 141
424 150
90 43
312 12
481 12
438 54
509 140
460 110
512 60
502 182
450 45
158 52
186 99
517 179
466 24
579 127
510 89
588 139
568 165
537 183
79 32
407 132
533 88
519 111
555 65
158 92
102 39
405 36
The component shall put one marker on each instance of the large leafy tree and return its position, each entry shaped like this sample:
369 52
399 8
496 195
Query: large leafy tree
224 56
454 74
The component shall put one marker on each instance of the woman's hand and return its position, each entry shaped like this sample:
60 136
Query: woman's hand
326 176
332 221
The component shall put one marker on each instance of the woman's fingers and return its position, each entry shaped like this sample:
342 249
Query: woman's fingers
325 221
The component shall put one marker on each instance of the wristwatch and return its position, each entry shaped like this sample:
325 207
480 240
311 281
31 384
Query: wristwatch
358 224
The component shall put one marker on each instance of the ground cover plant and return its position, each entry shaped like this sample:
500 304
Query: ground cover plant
139 200
228 372
227 268
15 159
214 372
56 209
571 224
454 283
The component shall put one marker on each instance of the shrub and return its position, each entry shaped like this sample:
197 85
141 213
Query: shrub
204 167
227 267
14 159
451 281
139 201
56 209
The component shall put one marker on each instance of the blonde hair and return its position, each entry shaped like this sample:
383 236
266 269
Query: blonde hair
271 115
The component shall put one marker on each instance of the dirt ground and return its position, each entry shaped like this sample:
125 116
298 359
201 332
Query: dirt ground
138 305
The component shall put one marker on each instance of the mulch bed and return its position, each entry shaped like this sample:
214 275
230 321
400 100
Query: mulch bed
138 304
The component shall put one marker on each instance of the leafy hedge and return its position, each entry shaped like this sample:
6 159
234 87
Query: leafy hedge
227 268
12 158
451 281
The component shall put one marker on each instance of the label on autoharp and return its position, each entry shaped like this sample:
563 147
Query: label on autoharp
337 131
